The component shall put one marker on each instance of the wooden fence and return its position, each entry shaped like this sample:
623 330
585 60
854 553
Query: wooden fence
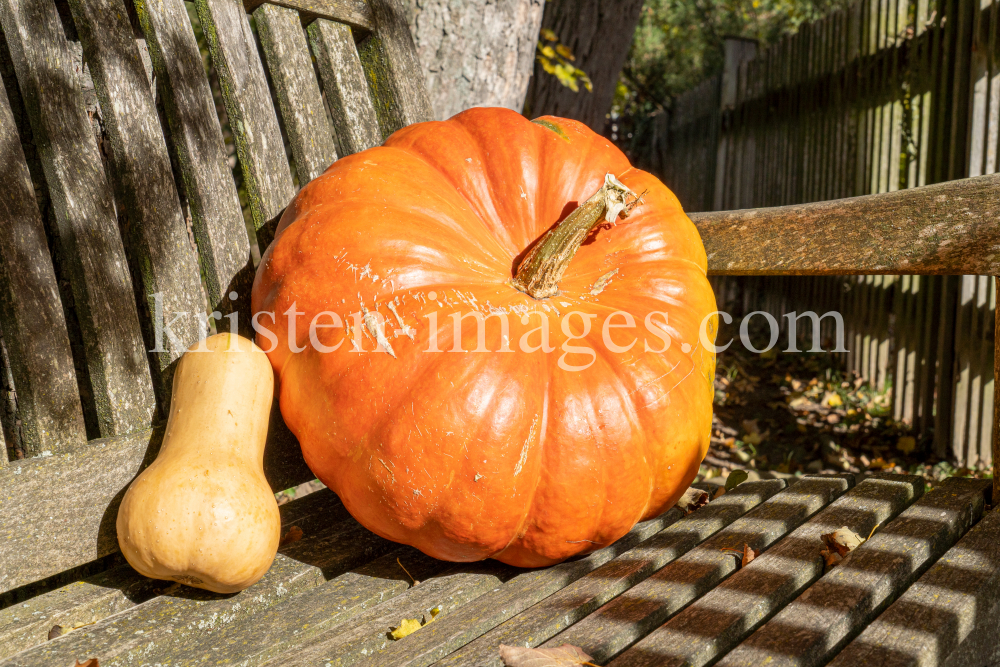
881 96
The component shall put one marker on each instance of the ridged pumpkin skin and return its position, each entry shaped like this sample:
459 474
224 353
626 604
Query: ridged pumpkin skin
495 454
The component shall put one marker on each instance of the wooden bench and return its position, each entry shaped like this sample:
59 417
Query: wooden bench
922 591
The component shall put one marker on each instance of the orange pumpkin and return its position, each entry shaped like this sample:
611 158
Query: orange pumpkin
482 445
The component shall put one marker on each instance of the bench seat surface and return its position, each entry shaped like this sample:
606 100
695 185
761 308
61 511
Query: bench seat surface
670 592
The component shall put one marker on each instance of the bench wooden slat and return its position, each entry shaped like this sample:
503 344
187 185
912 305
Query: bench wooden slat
354 13
356 641
31 319
290 64
574 602
266 174
943 609
720 620
811 629
668 537
346 87
216 217
626 619
27 624
948 228
156 237
61 509
84 211
332 543
267 635
395 77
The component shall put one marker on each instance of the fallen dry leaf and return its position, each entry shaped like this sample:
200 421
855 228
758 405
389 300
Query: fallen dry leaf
294 534
839 543
692 499
89 663
843 540
566 655
745 556
407 626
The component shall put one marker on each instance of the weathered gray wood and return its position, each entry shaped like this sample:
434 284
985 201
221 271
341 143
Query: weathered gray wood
354 13
31 315
718 621
346 87
216 217
266 174
157 242
949 228
58 512
165 627
358 640
277 630
288 60
85 216
393 69
490 611
837 607
27 624
574 602
940 611
618 624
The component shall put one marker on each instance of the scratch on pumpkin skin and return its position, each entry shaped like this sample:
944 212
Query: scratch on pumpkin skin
524 447
375 329
406 329
389 469
602 282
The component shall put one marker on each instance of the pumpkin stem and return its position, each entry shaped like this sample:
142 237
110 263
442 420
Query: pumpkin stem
540 271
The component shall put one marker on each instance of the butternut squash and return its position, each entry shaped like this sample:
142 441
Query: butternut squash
203 513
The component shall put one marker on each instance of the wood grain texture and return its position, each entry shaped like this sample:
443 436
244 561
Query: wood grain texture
31 316
287 54
574 602
942 611
355 124
251 113
837 607
673 537
59 511
276 633
216 216
620 623
393 69
27 624
170 624
718 621
160 250
949 228
355 640
85 216
354 13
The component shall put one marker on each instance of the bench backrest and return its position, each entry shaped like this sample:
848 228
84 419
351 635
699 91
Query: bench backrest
178 229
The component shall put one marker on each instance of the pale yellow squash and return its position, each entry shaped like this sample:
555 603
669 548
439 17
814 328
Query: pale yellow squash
203 513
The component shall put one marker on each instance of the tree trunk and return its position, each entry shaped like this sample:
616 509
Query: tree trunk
475 52
599 33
